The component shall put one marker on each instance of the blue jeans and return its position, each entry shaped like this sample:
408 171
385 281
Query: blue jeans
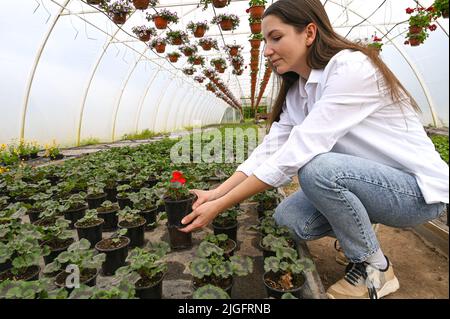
342 195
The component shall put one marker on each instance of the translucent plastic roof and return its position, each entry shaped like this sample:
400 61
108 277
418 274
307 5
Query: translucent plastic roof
68 72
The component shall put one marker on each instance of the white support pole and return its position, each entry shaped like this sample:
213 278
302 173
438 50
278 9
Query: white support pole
37 59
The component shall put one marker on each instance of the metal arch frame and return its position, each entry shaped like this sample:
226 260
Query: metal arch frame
160 98
177 124
166 114
144 96
122 90
34 68
186 120
408 60
174 110
180 124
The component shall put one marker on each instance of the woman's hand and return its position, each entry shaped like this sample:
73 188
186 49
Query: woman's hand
201 216
203 197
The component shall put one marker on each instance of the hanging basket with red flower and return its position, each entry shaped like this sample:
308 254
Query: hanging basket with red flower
419 24
376 43
256 9
441 8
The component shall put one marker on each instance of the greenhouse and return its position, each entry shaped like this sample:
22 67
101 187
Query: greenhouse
173 149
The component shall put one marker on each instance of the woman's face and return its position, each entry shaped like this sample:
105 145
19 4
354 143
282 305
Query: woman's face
286 48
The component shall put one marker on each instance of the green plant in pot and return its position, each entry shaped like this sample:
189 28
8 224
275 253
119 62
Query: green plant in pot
23 253
226 223
57 236
267 200
108 212
177 200
123 199
41 202
96 194
134 223
210 292
270 243
146 201
74 208
224 242
123 290
211 267
37 289
149 265
90 227
284 273
116 250
80 259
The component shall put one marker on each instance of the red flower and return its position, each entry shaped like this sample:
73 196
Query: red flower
432 27
177 174
406 42
377 39
248 10
409 10
430 9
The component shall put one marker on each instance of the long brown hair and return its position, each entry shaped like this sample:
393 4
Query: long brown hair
300 13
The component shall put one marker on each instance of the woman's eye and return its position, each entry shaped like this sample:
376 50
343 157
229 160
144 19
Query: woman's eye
276 38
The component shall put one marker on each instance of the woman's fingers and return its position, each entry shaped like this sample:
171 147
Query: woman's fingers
188 218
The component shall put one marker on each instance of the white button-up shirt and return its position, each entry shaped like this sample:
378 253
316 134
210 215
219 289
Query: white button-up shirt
345 108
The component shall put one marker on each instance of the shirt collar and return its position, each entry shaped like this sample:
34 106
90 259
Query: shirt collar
314 78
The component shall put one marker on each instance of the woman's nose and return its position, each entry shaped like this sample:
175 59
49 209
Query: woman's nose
267 51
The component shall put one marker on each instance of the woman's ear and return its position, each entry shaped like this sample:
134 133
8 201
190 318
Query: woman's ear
311 31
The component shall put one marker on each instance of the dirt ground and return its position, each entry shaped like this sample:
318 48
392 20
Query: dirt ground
421 270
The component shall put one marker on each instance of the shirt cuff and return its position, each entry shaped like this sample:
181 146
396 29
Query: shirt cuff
245 168
271 175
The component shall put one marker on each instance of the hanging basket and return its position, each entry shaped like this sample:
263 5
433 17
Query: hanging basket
255 28
256 12
234 51
219 3
160 48
199 32
206 46
173 58
415 29
146 37
414 42
119 18
177 41
187 52
160 22
141 4
255 43
226 24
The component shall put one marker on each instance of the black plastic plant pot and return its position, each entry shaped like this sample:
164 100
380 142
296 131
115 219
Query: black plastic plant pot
111 194
150 217
74 215
110 219
6 265
161 208
152 291
124 202
91 280
31 274
33 215
95 201
54 252
177 209
231 231
266 252
297 291
226 284
135 233
92 233
115 256
178 239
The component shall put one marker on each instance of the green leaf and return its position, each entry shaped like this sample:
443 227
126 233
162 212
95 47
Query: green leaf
210 292
200 267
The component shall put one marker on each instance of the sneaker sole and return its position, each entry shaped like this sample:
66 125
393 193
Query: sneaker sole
390 287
